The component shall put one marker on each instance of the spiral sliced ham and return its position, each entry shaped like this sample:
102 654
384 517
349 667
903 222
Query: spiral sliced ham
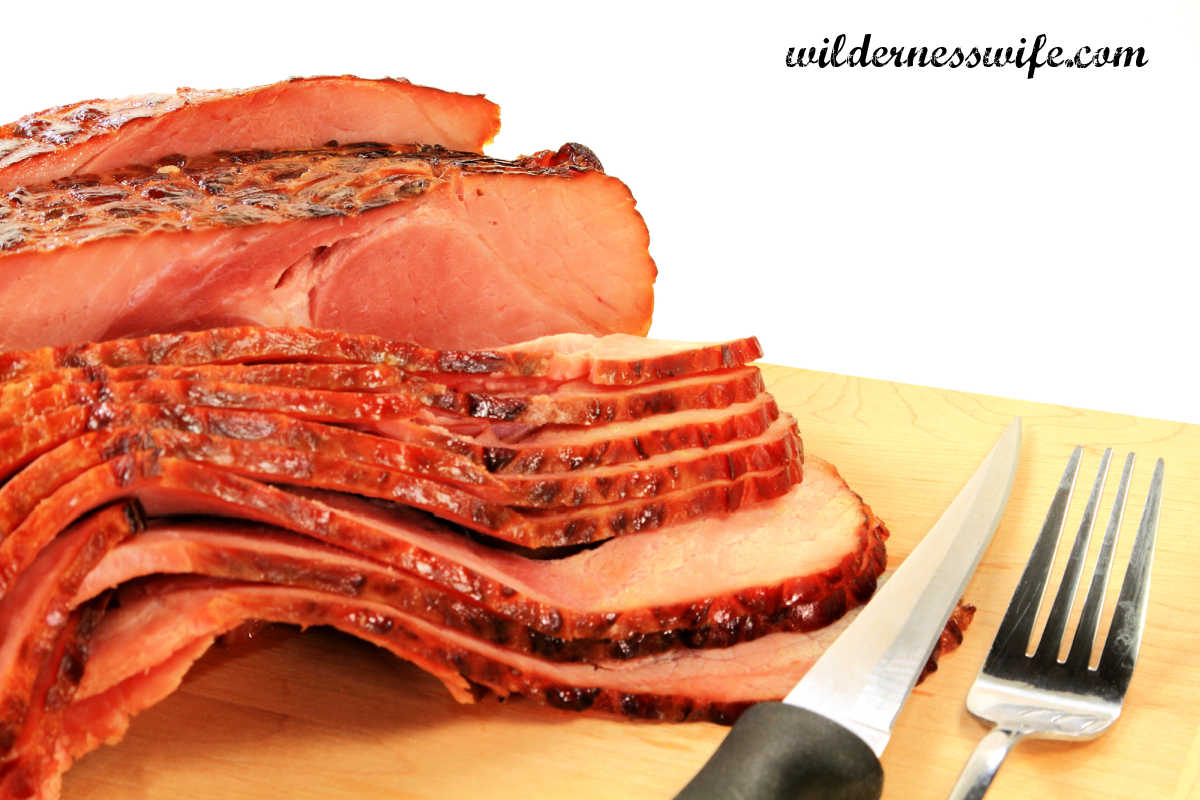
479 465
638 534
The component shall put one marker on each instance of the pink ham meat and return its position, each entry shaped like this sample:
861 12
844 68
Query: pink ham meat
411 242
99 136
174 614
622 359
66 733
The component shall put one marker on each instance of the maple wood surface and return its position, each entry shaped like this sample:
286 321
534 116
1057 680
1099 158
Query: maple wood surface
320 715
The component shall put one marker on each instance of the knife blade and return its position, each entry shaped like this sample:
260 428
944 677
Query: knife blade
824 740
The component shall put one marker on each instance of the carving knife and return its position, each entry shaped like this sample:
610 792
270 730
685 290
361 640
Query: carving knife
824 740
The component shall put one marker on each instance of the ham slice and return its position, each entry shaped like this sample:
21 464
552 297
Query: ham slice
168 484
105 716
800 564
38 756
334 458
821 530
34 612
616 359
623 359
98 136
795 564
173 613
682 684
571 403
551 449
437 247
64 728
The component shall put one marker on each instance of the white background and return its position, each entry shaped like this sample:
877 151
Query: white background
969 229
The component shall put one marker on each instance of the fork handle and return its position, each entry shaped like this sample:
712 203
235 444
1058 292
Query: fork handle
981 767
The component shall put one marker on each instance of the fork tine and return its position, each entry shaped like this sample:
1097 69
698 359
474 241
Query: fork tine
1060 610
1017 625
1129 618
1089 618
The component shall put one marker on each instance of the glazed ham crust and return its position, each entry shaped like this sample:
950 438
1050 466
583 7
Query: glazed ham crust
444 248
98 136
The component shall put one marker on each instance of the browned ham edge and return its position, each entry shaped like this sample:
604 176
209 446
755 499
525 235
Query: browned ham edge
98 136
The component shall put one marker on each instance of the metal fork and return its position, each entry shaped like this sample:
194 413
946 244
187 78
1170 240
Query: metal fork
1040 695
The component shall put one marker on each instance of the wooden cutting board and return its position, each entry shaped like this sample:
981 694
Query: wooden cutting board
319 715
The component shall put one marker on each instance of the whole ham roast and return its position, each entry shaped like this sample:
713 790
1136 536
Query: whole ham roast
155 214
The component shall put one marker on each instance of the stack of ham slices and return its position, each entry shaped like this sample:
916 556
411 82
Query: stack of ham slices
588 518
508 520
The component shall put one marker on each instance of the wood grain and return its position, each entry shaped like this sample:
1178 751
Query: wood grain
319 715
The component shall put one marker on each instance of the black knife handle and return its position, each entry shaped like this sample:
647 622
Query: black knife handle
779 751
